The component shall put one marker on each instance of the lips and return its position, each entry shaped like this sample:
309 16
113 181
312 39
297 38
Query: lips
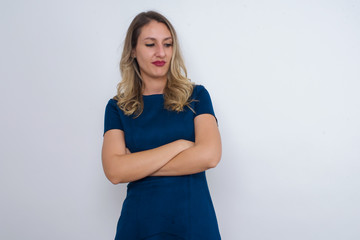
159 63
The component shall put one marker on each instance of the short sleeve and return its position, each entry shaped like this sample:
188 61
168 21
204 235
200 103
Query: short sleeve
203 102
112 116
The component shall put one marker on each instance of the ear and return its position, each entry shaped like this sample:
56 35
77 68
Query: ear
133 53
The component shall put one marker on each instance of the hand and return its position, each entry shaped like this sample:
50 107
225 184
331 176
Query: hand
127 151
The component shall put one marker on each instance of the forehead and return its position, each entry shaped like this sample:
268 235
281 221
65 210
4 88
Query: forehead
154 30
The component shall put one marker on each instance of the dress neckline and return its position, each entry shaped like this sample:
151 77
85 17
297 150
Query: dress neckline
153 95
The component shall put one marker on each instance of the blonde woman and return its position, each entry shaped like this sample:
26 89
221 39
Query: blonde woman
160 137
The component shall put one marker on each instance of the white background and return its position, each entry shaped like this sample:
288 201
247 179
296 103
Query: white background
284 77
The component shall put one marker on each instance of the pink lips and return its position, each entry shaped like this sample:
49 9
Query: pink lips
159 63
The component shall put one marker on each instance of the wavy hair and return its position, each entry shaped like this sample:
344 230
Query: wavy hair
178 88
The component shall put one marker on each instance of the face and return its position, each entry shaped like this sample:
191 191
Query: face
154 51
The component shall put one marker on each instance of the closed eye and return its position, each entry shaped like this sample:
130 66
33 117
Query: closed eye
168 44
150 44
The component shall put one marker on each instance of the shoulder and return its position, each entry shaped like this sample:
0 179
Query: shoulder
202 101
198 90
113 116
112 103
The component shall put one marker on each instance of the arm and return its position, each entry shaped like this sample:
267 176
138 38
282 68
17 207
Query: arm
205 154
120 167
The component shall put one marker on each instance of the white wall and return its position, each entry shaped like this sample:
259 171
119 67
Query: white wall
284 79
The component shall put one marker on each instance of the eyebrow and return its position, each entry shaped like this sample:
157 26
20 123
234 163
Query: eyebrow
154 39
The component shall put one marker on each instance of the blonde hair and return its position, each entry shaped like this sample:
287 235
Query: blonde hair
178 88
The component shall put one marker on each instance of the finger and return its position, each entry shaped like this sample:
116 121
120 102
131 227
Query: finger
127 151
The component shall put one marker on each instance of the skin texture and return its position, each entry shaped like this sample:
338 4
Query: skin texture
180 157
154 44
204 154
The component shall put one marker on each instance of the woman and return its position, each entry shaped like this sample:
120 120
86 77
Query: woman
160 136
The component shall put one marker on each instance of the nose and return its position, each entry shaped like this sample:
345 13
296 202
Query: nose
160 51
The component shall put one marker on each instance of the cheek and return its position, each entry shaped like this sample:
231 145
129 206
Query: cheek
169 52
142 54
142 59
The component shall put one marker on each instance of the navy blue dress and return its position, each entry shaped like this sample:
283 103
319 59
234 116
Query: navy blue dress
170 207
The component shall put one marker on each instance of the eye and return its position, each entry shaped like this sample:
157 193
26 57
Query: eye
150 44
168 44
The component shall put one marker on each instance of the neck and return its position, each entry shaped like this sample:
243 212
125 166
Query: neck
153 86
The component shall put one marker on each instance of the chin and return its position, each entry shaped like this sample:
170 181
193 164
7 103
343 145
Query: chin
160 75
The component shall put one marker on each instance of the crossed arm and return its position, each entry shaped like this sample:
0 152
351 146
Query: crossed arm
180 157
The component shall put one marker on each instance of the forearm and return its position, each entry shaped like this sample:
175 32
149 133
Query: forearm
122 168
205 154
192 160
